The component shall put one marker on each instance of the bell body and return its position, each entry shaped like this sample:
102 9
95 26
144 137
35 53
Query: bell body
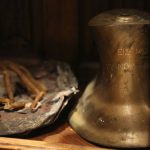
114 109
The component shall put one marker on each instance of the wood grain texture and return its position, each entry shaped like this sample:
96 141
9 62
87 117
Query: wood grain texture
62 134
15 28
21 144
61 29
63 138
54 29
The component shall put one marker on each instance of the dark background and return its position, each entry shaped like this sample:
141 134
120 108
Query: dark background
31 30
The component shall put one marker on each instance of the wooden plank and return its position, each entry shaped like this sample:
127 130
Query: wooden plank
139 4
22 144
59 134
61 29
113 4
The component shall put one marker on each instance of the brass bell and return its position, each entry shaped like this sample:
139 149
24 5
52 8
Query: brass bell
114 109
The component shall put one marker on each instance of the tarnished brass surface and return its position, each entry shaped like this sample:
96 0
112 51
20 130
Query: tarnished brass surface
115 107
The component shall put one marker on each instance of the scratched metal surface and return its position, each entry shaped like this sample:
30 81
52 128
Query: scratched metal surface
61 84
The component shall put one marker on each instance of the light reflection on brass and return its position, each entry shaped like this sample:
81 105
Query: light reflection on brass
114 109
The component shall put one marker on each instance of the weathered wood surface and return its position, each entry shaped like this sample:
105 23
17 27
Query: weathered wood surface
21 144
62 138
